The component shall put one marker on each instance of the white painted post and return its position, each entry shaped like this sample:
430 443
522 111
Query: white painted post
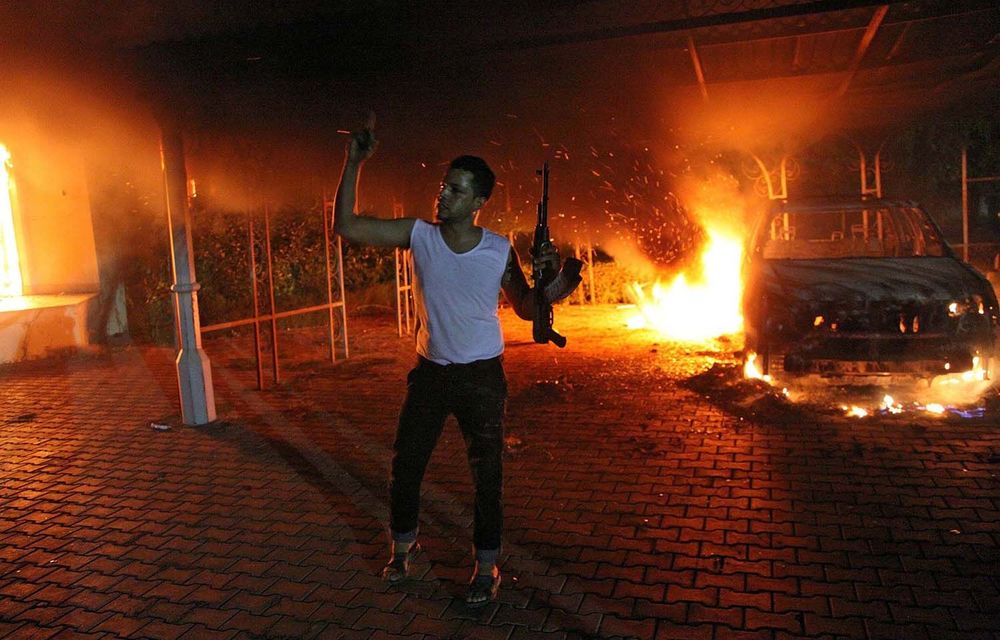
194 372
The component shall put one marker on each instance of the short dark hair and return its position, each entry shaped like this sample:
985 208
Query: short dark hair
483 177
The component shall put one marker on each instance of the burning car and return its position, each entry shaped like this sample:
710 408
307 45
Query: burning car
862 289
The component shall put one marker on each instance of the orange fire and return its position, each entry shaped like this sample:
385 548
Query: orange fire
699 308
752 371
703 308
10 268
945 393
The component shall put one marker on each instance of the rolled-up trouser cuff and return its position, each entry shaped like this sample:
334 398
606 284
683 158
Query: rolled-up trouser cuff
407 536
487 556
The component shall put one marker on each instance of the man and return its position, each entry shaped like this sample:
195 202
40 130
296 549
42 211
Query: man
459 270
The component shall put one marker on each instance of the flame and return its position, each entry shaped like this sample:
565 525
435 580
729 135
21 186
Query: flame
699 310
855 411
10 269
752 372
890 405
976 374
960 388
951 393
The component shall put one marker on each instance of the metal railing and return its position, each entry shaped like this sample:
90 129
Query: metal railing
966 181
406 312
336 304
585 253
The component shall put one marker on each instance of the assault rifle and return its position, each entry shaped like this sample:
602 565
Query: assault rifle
541 328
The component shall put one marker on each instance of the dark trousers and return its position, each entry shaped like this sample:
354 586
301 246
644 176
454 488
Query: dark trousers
475 394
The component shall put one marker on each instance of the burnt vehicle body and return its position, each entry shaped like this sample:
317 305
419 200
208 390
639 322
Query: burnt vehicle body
863 288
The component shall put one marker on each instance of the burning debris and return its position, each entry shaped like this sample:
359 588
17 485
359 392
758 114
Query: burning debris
757 398
749 398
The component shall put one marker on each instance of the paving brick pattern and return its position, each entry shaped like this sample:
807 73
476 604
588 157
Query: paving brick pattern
635 508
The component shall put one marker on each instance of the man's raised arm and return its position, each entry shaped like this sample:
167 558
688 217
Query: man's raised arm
364 229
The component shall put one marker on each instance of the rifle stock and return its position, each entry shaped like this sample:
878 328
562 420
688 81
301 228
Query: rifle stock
541 328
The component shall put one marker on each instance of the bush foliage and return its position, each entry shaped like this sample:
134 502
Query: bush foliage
298 257
298 264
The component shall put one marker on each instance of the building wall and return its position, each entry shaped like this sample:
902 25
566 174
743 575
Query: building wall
52 218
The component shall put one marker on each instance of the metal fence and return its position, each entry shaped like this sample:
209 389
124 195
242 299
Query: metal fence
335 305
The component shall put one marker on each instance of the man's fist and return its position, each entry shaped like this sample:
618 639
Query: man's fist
363 142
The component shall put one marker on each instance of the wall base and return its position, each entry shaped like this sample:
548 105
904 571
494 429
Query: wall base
39 326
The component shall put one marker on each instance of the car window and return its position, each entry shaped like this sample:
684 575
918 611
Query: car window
931 242
872 232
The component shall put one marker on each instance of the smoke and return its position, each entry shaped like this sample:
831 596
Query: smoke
646 187
242 171
628 255
715 199
703 168
85 160
79 115
762 117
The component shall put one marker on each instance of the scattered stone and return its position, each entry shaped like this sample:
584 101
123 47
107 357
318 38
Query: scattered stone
513 443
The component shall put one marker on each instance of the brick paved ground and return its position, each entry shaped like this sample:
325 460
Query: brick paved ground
635 508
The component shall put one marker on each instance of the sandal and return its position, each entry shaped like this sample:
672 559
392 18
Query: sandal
399 567
483 589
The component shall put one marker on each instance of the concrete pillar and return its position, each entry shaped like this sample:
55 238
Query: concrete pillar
194 372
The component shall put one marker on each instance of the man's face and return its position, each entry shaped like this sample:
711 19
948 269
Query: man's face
457 199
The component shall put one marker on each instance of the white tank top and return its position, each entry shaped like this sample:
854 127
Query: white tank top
457 295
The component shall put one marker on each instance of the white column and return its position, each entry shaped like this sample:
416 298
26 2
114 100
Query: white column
194 372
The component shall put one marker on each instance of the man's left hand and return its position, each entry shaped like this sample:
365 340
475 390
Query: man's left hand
547 260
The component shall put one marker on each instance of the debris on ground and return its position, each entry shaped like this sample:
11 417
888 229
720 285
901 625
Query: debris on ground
725 385
513 443
554 389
